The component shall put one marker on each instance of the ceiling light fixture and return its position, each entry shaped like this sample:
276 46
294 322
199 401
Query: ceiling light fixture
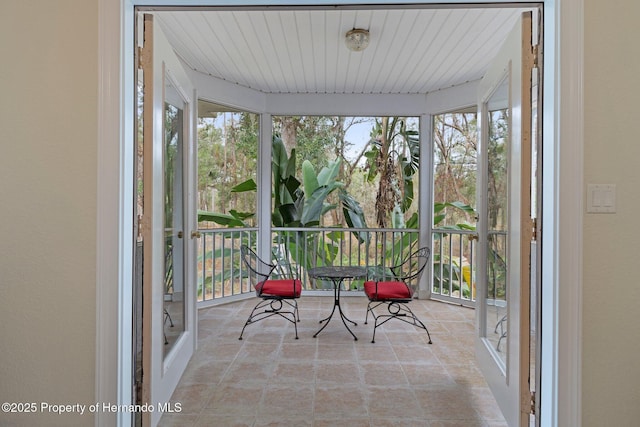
357 39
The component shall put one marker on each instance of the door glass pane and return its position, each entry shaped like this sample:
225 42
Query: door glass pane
498 122
173 307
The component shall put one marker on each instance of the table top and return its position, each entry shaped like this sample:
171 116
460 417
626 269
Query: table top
338 272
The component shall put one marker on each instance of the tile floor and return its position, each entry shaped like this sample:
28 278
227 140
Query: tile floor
271 379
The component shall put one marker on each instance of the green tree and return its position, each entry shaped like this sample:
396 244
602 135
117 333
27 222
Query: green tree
312 137
227 155
297 203
209 170
393 158
455 163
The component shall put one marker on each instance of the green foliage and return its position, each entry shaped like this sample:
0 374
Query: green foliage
209 154
354 215
316 190
455 161
302 204
228 220
230 270
314 136
393 159
248 185
439 215
449 277
307 186
227 150
296 204
304 207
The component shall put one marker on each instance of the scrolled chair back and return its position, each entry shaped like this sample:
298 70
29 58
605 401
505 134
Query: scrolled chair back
258 270
411 268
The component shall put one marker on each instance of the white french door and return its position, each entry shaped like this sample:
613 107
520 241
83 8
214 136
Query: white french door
505 224
169 301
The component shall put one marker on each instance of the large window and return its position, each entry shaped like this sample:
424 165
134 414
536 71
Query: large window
372 164
227 158
454 166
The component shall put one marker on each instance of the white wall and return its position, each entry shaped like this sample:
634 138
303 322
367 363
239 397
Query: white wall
48 128
611 294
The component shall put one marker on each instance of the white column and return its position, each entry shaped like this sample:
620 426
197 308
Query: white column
425 199
264 187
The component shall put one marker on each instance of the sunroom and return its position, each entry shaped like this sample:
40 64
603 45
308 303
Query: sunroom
418 80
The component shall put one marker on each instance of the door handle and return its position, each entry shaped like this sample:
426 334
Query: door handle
473 237
180 234
196 234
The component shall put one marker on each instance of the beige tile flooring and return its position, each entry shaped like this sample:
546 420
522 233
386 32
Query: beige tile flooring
271 379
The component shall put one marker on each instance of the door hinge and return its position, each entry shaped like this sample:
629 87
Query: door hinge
139 227
139 57
534 232
532 409
535 52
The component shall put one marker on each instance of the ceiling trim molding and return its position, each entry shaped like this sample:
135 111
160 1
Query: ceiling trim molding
222 92
239 97
346 105
455 98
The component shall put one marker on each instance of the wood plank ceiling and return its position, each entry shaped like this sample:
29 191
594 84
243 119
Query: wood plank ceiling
412 50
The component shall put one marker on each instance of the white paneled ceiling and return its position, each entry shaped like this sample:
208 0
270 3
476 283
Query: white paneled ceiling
412 50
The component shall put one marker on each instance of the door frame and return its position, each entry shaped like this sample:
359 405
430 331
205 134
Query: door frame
162 368
563 174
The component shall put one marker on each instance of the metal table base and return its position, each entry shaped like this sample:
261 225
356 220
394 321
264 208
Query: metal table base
337 275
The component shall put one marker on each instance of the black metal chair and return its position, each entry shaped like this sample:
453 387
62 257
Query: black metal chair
277 286
503 330
167 316
168 286
394 287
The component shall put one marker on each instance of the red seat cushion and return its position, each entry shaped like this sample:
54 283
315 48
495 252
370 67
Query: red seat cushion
287 288
387 290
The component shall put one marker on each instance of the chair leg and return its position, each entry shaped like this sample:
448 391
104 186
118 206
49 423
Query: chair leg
503 333
366 317
417 322
375 318
296 315
258 306
166 316
375 326
398 311
273 307
370 309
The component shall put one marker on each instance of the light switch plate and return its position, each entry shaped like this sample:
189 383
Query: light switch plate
601 198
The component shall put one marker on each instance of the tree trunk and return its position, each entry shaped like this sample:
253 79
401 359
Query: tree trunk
289 132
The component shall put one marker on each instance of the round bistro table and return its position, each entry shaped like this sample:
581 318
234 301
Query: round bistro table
337 275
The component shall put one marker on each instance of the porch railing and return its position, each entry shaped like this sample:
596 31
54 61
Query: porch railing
221 274
454 266
371 248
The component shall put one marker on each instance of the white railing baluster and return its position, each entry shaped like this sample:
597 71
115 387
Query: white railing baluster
451 250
